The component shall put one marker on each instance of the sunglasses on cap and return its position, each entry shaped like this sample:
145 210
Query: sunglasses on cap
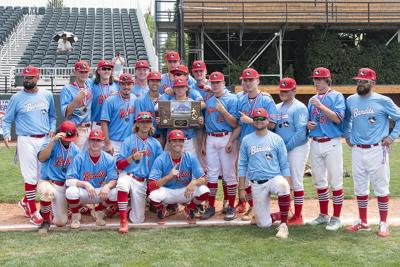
144 116
259 119
363 81
29 77
106 69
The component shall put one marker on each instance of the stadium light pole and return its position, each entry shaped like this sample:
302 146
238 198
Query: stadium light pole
181 31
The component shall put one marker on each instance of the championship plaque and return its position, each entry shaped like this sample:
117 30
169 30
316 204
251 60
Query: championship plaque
179 114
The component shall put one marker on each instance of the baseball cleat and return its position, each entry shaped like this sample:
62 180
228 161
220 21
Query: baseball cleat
100 218
383 229
110 211
296 220
25 207
199 211
241 206
248 215
44 227
358 226
321 219
161 214
36 218
208 213
283 231
334 224
230 214
172 209
75 220
190 218
123 226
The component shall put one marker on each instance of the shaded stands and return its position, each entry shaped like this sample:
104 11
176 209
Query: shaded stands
101 33
9 18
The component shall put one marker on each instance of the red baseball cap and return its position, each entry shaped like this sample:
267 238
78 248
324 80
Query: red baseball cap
176 135
250 73
69 128
104 63
96 134
154 75
321 73
180 68
82 65
142 64
198 65
30 71
287 84
217 76
180 82
172 55
366 74
259 112
126 78
144 117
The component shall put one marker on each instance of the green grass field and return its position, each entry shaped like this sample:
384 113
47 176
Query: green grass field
216 246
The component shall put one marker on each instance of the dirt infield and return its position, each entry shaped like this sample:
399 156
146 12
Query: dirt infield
12 219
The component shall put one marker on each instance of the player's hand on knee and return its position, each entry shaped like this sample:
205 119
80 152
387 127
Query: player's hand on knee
387 141
91 191
7 141
104 192
189 190
228 147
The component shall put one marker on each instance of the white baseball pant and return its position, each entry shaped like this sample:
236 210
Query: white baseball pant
56 195
80 193
83 136
370 165
174 196
261 198
117 146
297 159
327 164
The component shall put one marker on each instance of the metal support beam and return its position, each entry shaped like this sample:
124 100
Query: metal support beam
261 50
219 49
280 54
394 35
181 31
202 43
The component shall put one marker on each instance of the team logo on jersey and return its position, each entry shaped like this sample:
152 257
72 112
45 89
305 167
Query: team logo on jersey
372 120
268 156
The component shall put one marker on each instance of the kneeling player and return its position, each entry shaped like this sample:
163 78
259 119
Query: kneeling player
56 155
263 161
91 179
171 179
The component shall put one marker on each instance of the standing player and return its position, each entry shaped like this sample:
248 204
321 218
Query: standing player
56 156
176 177
167 79
91 179
326 111
76 102
149 103
220 120
141 72
292 127
34 114
263 161
117 115
199 72
137 155
102 86
367 132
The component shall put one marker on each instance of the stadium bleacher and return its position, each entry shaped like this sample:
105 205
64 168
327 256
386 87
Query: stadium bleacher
9 18
101 33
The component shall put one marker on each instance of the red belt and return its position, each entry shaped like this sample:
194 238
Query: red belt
322 140
218 134
38 135
139 179
84 124
57 183
367 146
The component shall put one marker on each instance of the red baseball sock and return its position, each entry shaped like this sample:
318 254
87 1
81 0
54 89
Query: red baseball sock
298 203
157 205
249 196
30 194
232 189
197 200
74 205
362 202
284 205
383 205
225 189
337 200
122 198
213 192
323 197
45 209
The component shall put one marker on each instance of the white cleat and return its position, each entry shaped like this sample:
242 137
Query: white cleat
283 231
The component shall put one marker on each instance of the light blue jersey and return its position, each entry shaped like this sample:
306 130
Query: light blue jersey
325 127
246 105
214 120
97 174
188 168
82 113
146 104
263 157
100 93
291 124
60 158
33 113
139 91
367 119
195 87
120 114
133 143
193 94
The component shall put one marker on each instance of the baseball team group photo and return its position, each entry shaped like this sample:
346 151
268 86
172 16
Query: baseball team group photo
200 133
